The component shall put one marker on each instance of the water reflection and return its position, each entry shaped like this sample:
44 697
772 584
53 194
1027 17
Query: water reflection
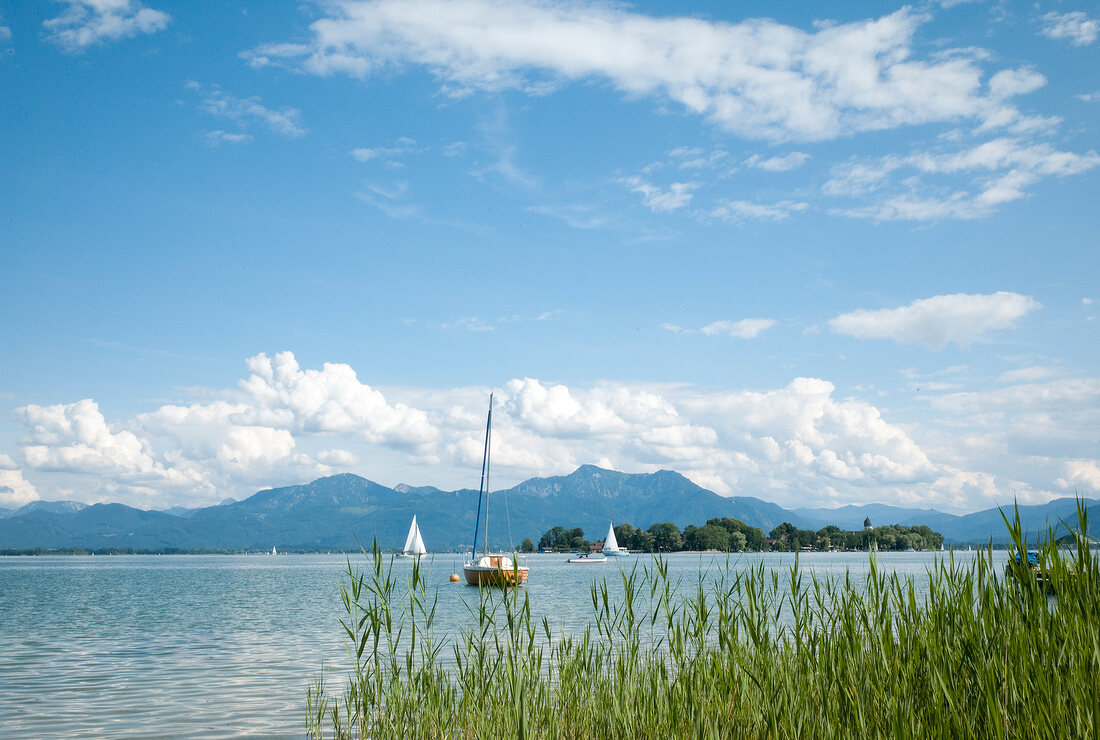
194 646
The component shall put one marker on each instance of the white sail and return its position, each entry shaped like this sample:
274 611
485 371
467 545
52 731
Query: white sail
414 543
610 544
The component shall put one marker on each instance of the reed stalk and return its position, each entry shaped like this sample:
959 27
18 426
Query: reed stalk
983 652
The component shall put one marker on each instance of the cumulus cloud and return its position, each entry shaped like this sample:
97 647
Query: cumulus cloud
86 22
781 444
75 438
247 111
757 78
328 400
14 489
1035 432
804 432
341 458
1076 27
205 451
1083 473
799 444
937 321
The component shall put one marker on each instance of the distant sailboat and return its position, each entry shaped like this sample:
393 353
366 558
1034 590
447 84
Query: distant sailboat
414 543
273 550
490 569
611 545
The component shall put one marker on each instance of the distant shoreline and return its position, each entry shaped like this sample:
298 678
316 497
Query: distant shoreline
83 552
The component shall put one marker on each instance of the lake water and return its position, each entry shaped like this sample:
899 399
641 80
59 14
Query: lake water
226 645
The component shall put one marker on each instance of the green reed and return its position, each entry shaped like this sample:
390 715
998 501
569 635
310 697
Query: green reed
744 652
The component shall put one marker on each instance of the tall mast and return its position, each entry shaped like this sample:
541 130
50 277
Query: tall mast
488 456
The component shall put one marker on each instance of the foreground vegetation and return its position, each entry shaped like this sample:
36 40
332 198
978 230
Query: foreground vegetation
746 653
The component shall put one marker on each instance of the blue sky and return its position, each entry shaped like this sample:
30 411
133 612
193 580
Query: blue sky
817 255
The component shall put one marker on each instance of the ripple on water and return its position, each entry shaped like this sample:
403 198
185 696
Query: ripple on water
200 646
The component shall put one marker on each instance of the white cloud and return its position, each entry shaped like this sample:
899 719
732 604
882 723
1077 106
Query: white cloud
341 458
757 78
857 178
1011 82
577 215
1077 27
202 452
75 438
937 321
1007 154
279 393
743 329
87 22
693 158
677 196
1029 374
469 323
778 164
999 172
247 111
1027 431
743 210
219 137
15 490
1083 473
402 146
797 445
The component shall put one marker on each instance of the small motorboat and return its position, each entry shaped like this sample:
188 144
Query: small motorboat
589 557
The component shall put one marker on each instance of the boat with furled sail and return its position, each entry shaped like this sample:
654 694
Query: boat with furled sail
414 543
490 569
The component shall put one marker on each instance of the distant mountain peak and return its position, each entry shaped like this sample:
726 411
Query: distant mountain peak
53 507
339 477
402 488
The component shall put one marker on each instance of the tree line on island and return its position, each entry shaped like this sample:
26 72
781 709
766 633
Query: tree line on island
732 535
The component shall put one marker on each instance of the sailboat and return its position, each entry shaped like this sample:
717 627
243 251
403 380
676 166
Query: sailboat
611 545
490 569
414 543
273 550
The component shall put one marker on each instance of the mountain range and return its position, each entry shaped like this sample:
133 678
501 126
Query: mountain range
343 510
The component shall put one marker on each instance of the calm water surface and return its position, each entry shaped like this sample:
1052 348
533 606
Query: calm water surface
226 645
